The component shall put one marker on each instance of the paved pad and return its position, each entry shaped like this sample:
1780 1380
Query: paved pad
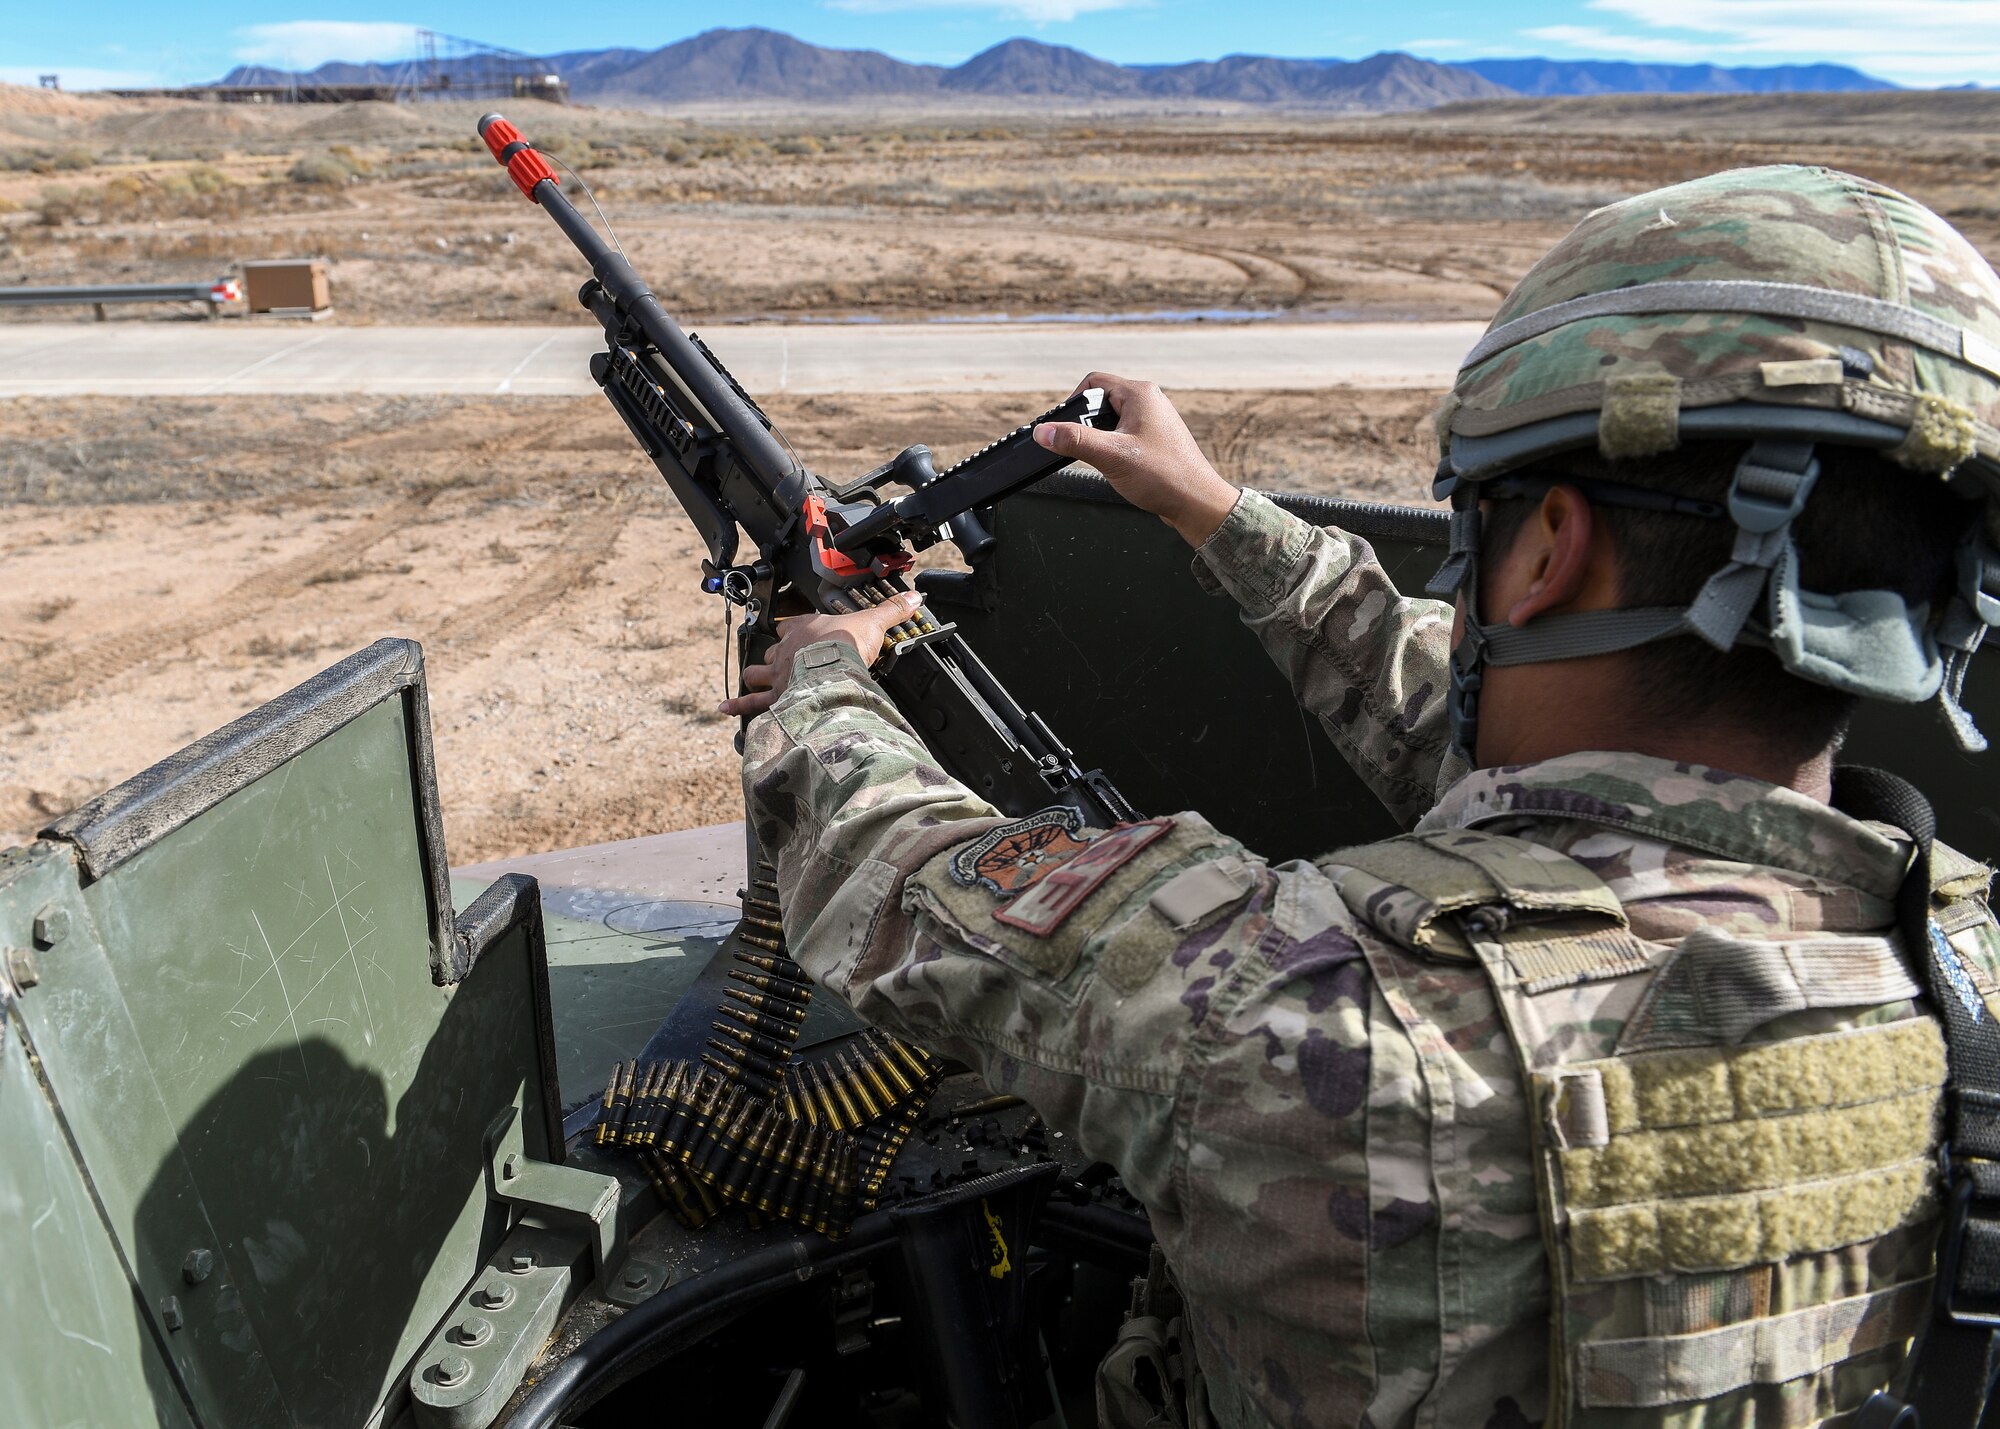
241 357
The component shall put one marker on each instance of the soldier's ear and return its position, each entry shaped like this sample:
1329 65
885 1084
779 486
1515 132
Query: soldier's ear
1564 553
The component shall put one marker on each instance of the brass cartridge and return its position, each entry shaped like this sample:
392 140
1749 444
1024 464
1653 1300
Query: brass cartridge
725 1142
645 1100
778 1052
677 1096
836 1084
813 1210
774 986
856 1086
887 1062
758 1067
735 1171
791 1185
608 1116
925 1067
765 963
784 1164
680 1113
797 1106
765 1005
870 1070
675 1190
664 1103
829 1112
781 1029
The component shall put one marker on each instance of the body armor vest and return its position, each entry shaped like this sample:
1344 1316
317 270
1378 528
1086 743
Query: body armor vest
1734 1142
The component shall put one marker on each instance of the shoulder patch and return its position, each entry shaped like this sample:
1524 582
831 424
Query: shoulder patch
1052 894
1007 859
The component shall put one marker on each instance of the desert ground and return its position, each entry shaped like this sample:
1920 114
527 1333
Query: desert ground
170 565
1432 215
166 564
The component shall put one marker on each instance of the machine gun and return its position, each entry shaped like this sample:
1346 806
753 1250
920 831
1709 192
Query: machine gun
836 548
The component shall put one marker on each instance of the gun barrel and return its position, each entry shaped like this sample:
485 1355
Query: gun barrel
760 453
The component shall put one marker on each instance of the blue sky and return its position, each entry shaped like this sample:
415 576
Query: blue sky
143 42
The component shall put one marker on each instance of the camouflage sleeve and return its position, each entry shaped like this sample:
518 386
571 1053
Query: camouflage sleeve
1089 971
1370 664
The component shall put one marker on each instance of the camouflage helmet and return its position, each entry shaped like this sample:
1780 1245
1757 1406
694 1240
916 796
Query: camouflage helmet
1784 306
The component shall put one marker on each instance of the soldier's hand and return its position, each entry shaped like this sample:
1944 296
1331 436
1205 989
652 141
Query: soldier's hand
864 631
1151 458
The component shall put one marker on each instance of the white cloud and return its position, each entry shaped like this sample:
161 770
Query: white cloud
1420 46
81 76
306 44
1035 12
1913 41
1600 41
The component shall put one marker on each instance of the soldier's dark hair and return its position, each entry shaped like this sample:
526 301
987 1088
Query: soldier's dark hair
1869 525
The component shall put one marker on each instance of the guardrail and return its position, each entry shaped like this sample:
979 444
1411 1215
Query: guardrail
215 294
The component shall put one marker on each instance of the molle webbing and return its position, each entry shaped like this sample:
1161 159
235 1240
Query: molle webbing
1651 1372
1720 989
1738 1231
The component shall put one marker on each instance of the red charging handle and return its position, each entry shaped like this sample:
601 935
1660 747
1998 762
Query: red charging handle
839 564
523 164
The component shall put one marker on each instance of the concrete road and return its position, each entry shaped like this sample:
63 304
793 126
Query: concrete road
228 358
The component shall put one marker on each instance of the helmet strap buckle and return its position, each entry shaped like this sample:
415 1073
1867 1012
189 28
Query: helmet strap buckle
1769 490
1771 484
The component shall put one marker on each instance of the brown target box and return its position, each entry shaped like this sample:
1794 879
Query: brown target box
286 285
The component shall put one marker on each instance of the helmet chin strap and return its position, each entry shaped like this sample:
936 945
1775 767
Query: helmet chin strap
1867 643
1459 576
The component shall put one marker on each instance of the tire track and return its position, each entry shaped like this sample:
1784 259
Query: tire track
65 673
585 544
1235 433
1263 275
1291 282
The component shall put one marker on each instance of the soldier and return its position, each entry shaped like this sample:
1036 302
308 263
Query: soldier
1613 1093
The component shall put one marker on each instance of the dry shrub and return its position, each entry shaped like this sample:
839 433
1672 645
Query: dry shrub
196 192
199 182
58 204
327 169
277 647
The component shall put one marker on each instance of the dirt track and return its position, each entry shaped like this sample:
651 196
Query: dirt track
173 563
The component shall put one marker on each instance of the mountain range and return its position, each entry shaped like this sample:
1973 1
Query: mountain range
758 64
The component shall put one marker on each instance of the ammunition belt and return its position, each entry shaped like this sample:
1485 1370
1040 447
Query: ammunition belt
806 1138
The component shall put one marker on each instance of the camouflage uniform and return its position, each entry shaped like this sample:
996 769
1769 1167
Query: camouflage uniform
1329 1130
